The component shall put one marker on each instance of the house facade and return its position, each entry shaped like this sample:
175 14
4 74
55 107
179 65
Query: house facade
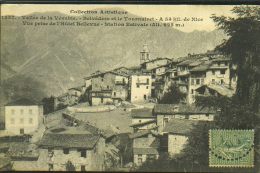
23 116
143 119
140 87
145 147
108 87
82 151
167 112
176 133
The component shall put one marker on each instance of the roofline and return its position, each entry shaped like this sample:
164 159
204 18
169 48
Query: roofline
184 113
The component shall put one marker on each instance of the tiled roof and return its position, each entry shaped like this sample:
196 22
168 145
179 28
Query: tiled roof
179 126
69 140
143 123
23 102
165 108
145 151
222 58
142 113
23 151
76 88
141 134
202 67
222 90
98 73
180 109
4 161
157 59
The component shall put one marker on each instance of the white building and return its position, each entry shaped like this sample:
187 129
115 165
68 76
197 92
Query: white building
176 132
23 116
140 87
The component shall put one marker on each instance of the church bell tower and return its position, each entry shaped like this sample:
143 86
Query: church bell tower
144 54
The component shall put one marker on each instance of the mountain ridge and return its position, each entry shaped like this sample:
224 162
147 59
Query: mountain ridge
61 56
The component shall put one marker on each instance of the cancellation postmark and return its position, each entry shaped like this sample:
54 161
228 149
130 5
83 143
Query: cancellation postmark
231 148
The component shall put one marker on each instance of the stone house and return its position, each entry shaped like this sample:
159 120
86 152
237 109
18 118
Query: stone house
62 145
213 72
140 87
109 87
166 112
143 119
145 146
23 116
175 135
154 63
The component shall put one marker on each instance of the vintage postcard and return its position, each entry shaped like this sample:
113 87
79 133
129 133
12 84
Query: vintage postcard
155 88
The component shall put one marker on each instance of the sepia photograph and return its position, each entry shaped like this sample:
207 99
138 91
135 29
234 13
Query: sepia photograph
130 88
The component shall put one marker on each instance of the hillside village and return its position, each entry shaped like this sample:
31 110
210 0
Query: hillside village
115 120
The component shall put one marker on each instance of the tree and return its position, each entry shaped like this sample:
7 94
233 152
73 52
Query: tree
243 45
172 96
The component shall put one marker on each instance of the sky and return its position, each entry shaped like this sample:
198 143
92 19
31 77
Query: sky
199 11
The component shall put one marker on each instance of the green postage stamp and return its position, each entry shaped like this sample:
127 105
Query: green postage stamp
231 148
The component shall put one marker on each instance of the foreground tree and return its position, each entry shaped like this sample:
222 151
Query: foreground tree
172 96
243 45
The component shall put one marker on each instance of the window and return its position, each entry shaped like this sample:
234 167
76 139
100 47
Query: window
213 72
140 121
107 86
21 111
222 81
12 111
147 81
218 63
82 168
197 81
50 167
166 120
21 131
151 157
147 87
207 115
114 93
137 85
192 81
12 120
21 120
222 71
202 81
102 100
192 91
83 153
66 151
102 79
186 116
145 97
140 159
50 150
30 120
213 81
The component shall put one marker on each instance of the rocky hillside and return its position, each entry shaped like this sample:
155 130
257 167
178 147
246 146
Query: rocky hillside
60 57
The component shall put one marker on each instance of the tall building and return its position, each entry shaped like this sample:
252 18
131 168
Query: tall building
140 87
144 54
23 116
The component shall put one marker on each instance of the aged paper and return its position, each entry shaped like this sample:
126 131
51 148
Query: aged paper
130 88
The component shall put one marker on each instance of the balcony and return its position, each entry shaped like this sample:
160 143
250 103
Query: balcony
120 83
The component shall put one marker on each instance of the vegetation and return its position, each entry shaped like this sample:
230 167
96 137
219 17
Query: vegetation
243 46
172 96
239 112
